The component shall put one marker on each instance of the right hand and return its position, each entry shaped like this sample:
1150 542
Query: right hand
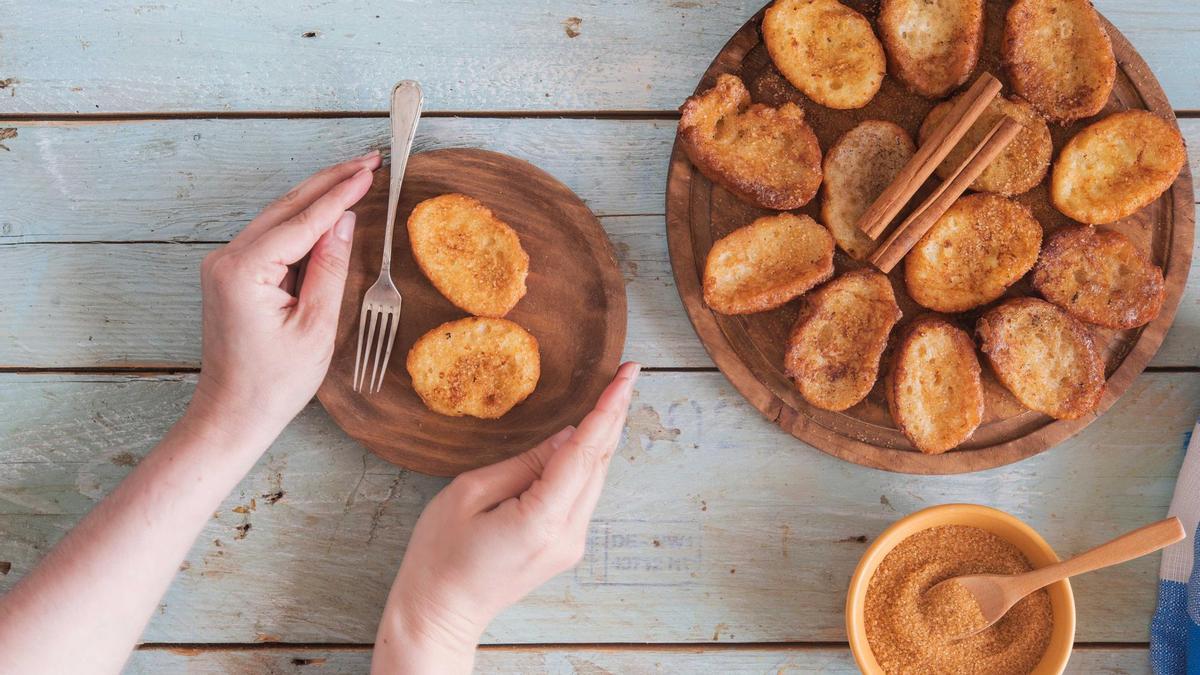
495 534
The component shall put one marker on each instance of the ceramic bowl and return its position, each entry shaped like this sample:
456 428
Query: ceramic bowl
1003 525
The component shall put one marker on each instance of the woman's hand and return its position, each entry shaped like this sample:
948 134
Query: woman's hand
495 534
265 347
265 351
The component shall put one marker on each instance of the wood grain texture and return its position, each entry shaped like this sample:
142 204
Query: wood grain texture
574 307
750 349
528 55
585 661
55 313
329 521
762 557
202 180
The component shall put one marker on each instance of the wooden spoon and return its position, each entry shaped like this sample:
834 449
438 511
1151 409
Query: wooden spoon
997 593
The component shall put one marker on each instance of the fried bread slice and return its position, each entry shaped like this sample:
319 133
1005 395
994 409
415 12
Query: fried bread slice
859 166
932 47
1114 167
826 50
765 264
934 389
1044 356
1099 276
768 157
1058 57
472 257
474 366
840 333
983 244
1019 167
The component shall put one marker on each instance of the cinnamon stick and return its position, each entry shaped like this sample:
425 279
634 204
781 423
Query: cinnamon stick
945 136
909 232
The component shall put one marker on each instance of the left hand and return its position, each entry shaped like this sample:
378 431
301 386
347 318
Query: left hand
266 348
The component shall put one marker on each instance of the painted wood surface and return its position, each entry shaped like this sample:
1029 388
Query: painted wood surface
591 661
151 184
526 55
201 180
121 305
714 526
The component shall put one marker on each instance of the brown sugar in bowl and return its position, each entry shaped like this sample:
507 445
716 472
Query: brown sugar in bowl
999 523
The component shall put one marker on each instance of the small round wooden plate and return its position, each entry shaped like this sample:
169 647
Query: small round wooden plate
749 349
575 307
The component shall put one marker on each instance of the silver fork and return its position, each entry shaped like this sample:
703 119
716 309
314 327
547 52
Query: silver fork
381 304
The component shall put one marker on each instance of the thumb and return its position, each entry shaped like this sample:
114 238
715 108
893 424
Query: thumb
492 484
325 273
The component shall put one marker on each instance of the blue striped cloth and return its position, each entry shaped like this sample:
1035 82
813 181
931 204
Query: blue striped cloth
1175 629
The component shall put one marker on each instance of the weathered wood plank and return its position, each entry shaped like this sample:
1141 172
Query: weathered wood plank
117 305
591 661
201 180
526 55
715 526
122 305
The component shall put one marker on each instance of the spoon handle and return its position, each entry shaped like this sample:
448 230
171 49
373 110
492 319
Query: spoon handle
1135 544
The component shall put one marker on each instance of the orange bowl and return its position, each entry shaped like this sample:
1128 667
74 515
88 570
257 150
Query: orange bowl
999 523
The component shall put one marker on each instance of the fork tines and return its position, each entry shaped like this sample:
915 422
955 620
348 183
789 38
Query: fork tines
374 316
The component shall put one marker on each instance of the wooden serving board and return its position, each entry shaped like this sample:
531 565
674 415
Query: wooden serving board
749 349
575 307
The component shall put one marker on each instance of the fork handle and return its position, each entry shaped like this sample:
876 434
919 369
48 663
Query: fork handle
405 112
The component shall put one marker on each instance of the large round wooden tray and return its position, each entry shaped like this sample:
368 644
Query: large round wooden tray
575 307
749 349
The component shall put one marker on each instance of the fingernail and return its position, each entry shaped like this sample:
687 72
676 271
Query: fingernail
363 172
370 155
344 229
631 373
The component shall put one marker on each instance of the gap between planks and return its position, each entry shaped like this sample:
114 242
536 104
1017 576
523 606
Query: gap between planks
567 646
51 119
152 371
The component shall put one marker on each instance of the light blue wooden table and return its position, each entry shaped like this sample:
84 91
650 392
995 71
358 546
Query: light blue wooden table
136 136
